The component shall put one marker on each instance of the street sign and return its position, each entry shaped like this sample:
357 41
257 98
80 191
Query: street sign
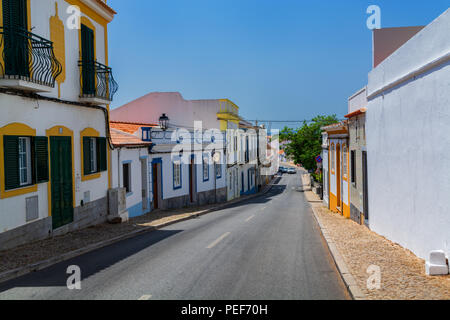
319 159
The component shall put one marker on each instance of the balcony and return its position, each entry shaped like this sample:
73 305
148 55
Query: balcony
27 61
97 83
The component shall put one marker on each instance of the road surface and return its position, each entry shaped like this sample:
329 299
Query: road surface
268 247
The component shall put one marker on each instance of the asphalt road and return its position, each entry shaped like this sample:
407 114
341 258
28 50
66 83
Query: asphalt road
268 247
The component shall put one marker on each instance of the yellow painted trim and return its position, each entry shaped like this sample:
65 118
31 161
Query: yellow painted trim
59 131
227 116
333 203
88 132
59 45
13 129
29 15
88 11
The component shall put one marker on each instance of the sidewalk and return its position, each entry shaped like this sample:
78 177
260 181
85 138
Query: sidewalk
41 254
402 273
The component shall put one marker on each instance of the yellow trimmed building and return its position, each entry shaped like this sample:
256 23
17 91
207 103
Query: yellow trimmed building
55 91
337 170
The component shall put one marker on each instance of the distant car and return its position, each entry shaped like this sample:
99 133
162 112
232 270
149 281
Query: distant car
282 170
292 171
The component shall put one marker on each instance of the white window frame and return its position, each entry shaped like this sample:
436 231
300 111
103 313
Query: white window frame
93 154
177 174
25 161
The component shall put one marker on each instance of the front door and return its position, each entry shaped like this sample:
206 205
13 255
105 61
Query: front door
191 180
365 186
144 185
155 186
338 177
61 181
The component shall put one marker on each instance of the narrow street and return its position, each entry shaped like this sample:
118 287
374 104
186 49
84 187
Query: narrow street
268 247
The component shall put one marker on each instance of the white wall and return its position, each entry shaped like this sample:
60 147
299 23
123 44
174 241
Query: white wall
407 144
41 117
41 11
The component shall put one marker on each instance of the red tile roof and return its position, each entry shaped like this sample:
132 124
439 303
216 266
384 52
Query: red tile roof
123 139
129 127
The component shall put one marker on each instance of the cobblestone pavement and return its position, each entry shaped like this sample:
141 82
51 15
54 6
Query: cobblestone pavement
402 273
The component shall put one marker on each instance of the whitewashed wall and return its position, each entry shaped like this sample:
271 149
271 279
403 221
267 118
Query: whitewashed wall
41 117
41 11
407 144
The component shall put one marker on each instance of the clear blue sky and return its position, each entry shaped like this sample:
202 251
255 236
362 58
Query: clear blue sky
276 59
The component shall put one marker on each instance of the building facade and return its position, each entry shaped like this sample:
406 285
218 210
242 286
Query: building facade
359 204
407 138
55 88
338 168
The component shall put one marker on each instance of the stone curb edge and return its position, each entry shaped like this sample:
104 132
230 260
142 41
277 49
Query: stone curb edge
21 271
346 276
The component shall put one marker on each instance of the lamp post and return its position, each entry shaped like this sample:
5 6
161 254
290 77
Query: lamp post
164 122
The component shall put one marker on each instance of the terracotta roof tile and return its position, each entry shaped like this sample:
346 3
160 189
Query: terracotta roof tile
129 127
120 138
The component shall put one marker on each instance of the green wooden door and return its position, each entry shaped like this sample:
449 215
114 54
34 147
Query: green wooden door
61 181
88 59
16 52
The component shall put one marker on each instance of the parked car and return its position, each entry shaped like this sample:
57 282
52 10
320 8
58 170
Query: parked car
292 171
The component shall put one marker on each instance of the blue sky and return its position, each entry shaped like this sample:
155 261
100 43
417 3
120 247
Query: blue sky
276 59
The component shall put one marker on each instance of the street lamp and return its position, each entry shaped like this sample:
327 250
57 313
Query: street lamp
164 122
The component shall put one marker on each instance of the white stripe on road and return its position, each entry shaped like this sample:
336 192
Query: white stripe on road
250 218
145 297
212 245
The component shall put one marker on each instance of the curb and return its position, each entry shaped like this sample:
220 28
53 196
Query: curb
21 271
346 276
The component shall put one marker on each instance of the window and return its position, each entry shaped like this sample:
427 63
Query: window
218 166
126 168
94 155
344 161
353 166
333 155
25 161
205 167
177 174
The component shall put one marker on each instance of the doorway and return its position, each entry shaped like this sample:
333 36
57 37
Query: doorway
365 186
61 181
192 180
144 185
338 177
155 185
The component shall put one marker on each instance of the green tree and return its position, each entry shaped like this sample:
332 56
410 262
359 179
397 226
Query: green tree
306 142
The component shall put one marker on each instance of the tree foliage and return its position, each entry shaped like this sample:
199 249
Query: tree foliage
306 142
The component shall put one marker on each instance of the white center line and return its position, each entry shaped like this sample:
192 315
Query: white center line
145 297
212 245
250 218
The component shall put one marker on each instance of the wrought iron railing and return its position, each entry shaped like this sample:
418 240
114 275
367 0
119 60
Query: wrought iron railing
97 80
26 56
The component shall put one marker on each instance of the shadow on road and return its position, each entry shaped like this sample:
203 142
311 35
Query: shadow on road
89 263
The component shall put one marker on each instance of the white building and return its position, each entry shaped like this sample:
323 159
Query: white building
55 88
407 138
248 158
181 167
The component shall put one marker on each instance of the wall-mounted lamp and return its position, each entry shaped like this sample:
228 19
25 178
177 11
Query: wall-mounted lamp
164 122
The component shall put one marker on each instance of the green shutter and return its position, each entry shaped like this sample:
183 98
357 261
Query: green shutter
102 163
41 159
11 157
86 155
